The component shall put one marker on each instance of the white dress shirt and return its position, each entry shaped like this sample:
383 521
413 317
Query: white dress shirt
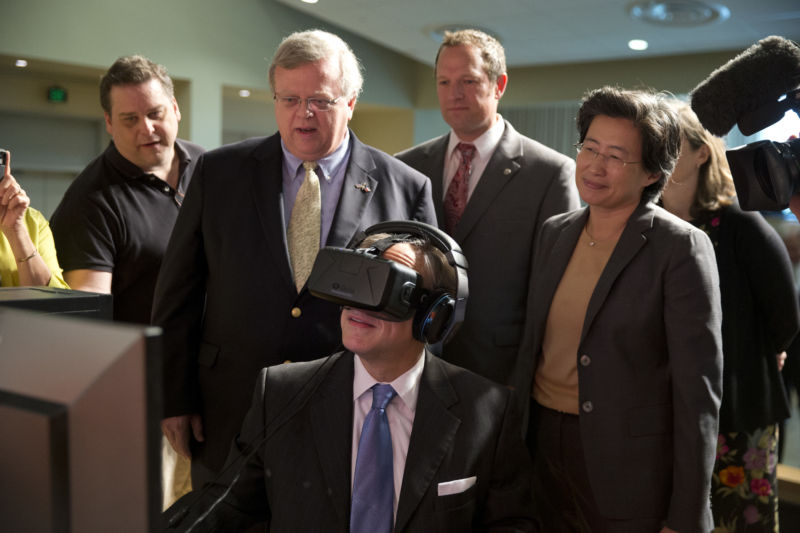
484 149
400 413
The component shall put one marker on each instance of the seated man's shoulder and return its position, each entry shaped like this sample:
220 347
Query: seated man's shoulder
285 378
467 380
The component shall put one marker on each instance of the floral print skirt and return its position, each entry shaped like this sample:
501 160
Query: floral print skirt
744 485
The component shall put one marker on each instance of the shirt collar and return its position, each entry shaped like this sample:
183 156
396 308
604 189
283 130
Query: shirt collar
485 144
293 165
131 171
406 385
122 165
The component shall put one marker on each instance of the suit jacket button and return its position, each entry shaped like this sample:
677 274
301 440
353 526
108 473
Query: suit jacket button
296 312
586 360
587 407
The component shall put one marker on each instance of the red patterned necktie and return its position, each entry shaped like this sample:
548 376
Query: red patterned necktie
456 198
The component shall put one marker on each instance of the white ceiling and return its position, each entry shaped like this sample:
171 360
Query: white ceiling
537 32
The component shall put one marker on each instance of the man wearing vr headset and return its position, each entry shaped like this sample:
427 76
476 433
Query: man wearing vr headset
457 462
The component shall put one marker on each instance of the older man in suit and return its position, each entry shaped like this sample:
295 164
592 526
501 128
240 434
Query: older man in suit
492 188
231 294
454 457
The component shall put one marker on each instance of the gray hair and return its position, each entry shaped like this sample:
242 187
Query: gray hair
302 48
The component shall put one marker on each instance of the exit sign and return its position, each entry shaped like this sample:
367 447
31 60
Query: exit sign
57 94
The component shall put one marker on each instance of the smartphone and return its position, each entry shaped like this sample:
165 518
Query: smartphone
3 162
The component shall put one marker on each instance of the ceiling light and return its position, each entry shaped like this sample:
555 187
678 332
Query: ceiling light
679 13
638 44
21 63
244 93
309 1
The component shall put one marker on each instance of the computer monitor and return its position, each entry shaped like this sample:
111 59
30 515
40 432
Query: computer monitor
56 300
80 442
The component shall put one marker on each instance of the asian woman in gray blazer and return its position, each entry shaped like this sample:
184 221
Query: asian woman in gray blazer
621 354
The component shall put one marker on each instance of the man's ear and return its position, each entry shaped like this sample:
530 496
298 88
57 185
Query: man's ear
500 85
108 122
352 105
176 109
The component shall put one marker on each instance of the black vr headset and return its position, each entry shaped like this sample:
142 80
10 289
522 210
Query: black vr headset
360 278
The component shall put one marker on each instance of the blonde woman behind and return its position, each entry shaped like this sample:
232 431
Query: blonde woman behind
759 320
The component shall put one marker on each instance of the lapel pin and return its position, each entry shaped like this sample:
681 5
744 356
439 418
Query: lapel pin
363 187
507 171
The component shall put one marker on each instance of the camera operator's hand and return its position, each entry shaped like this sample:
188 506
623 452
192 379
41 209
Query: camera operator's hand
31 268
13 202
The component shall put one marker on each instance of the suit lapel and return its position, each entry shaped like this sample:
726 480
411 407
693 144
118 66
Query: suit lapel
358 189
267 193
432 437
556 259
502 167
632 240
331 419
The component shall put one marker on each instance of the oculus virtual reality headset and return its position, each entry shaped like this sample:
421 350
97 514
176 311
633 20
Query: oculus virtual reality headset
362 279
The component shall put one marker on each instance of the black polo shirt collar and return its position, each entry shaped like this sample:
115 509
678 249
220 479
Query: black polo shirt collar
129 171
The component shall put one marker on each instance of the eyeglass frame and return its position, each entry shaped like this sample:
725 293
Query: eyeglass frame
579 146
311 102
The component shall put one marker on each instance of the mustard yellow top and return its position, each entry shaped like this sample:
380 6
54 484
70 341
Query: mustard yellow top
556 379
42 238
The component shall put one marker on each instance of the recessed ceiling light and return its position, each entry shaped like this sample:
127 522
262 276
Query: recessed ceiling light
244 93
309 1
21 63
638 44
679 13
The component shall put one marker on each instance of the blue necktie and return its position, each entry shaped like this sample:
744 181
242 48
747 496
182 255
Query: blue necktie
372 510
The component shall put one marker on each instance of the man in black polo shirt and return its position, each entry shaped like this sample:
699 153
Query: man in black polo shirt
112 226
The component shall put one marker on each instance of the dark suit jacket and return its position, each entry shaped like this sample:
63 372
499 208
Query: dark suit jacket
523 185
300 478
225 296
649 364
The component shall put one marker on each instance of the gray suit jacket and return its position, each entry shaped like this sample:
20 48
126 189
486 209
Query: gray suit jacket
300 477
523 185
225 296
649 364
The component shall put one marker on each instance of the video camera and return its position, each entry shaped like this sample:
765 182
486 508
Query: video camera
754 90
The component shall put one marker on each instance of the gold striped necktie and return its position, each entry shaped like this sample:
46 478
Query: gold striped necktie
304 226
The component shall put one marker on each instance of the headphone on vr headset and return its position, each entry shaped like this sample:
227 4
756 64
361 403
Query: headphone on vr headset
359 277
439 312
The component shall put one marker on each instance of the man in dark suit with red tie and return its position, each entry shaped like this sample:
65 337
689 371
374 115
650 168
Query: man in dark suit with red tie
231 294
492 188
383 436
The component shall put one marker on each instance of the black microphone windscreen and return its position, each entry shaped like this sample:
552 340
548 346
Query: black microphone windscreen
758 76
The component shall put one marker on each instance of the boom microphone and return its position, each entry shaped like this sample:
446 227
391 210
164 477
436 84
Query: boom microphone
750 85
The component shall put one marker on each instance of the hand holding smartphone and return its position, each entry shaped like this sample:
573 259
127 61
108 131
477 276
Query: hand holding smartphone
5 166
